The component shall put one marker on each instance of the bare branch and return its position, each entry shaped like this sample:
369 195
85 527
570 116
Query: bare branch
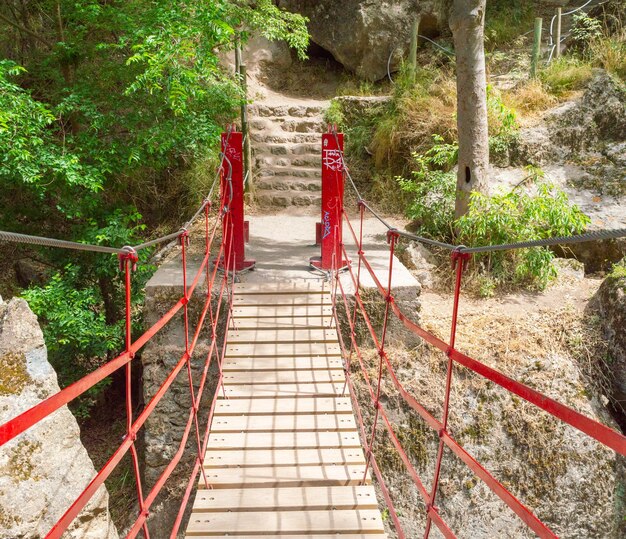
26 30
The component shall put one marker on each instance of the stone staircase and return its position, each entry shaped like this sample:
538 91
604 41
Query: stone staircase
286 149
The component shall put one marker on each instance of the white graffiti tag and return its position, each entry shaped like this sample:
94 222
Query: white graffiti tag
326 225
232 153
333 160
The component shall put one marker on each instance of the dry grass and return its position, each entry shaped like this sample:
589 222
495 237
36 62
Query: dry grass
610 53
418 115
566 75
529 99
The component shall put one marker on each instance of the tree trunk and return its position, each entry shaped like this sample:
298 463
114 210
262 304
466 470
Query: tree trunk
467 19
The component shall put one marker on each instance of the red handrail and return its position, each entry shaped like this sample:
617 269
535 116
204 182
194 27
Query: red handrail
591 427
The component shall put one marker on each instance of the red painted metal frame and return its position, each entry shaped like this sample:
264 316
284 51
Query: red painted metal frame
329 231
232 193
34 415
596 430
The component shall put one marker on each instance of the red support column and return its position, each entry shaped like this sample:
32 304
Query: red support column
329 231
232 190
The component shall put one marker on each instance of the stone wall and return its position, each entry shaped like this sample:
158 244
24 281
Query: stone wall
44 469
164 428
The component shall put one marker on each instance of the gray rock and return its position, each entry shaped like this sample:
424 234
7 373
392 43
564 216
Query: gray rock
611 301
553 468
422 262
370 31
595 122
44 469
29 272
600 115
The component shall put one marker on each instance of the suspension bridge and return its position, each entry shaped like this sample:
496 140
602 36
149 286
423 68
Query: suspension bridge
285 450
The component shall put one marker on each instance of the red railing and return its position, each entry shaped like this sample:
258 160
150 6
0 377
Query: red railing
353 313
219 290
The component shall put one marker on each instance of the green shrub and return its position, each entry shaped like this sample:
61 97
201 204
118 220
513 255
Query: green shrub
433 188
505 20
517 216
81 307
506 217
503 126
334 114
585 30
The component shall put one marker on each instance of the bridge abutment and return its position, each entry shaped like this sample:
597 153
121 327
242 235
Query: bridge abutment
164 428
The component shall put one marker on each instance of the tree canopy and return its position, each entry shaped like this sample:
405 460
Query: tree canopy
103 106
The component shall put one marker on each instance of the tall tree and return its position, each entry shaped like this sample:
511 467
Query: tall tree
467 22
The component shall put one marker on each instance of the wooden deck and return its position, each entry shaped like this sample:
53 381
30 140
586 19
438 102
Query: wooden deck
284 456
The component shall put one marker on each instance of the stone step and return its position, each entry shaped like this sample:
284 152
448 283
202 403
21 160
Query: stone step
283 199
296 172
286 137
299 111
298 125
310 160
287 184
287 149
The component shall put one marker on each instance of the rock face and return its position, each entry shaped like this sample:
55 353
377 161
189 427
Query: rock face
594 123
44 469
363 35
584 140
554 469
164 428
611 301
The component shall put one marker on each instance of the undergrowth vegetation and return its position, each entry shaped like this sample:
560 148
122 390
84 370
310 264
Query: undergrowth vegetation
110 115
504 217
406 147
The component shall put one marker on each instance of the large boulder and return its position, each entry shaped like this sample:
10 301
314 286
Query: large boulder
611 302
594 123
43 470
364 35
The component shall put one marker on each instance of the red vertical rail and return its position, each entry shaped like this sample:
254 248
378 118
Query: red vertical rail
129 262
232 191
459 261
329 231
184 242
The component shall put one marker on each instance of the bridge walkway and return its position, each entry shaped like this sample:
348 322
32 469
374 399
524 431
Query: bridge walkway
284 456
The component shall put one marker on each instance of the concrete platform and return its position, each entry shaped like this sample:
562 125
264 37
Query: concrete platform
282 245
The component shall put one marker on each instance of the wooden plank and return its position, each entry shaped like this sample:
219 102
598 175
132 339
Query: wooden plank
282 423
280 377
285 499
286 476
282 440
310 287
282 363
283 349
285 335
282 457
282 299
286 522
284 322
272 311
303 405
279 391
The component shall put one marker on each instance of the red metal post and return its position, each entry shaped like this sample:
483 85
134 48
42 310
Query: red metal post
329 231
232 190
